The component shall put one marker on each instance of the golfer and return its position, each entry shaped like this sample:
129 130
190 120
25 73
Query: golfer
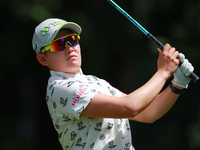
87 112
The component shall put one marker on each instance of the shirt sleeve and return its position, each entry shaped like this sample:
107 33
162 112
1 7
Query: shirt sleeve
71 98
113 91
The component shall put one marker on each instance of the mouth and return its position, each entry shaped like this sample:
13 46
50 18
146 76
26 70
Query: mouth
71 56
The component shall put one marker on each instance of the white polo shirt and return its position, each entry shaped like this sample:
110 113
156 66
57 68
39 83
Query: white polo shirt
67 96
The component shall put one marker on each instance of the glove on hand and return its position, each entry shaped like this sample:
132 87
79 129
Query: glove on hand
181 74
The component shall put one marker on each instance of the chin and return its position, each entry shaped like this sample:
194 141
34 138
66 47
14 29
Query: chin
73 70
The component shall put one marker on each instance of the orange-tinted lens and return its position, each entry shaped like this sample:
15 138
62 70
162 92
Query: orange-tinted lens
60 44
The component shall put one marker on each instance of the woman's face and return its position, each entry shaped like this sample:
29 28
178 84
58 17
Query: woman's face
68 60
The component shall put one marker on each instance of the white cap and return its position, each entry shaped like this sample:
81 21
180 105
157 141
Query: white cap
46 31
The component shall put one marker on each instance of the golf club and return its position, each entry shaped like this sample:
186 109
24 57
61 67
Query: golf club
192 76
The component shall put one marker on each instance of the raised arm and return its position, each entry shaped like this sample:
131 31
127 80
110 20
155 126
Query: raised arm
129 106
165 100
159 107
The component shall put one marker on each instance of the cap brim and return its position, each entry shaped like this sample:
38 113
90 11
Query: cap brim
69 25
72 26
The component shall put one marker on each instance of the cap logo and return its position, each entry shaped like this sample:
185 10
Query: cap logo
58 23
44 30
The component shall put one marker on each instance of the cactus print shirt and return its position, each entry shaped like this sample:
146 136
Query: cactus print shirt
67 96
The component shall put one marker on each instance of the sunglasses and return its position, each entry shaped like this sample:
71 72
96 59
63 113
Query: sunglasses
61 43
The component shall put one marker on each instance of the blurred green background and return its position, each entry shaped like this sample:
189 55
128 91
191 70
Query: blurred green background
112 49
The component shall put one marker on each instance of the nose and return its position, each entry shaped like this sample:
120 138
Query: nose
69 50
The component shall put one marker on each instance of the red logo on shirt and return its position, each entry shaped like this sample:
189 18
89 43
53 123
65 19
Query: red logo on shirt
78 96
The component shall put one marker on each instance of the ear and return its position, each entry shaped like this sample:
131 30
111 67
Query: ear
42 59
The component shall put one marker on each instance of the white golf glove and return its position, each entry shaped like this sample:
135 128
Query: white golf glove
181 74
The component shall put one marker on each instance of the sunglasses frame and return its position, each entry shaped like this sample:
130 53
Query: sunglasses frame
48 47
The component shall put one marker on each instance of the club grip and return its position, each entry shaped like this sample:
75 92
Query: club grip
192 76
157 42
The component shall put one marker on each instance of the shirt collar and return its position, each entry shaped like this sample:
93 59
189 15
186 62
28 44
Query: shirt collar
66 75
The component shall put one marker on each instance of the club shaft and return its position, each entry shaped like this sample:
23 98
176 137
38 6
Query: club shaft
149 35
192 76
